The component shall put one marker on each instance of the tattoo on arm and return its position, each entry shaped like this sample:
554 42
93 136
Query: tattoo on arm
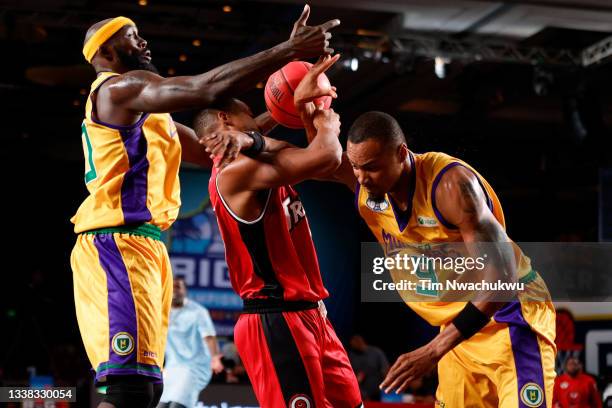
470 197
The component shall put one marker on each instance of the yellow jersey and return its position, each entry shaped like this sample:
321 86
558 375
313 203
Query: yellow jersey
131 172
422 223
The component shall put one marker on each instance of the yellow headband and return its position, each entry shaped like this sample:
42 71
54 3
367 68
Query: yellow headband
103 34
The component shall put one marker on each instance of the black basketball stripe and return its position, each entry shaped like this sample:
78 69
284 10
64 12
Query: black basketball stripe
286 357
254 238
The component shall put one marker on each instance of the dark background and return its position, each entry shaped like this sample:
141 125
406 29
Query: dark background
533 121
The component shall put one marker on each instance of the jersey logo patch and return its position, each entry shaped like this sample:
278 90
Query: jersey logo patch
294 211
378 206
300 401
123 343
424 221
532 395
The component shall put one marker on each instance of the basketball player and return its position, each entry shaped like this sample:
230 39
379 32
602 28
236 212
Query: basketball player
489 354
289 349
133 149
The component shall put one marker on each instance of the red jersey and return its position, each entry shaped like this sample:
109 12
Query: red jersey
272 257
576 392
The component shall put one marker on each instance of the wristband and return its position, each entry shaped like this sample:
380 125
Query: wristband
259 144
470 320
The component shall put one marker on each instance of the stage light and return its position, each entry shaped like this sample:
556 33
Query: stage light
354 64
440 66
142 3
171 71
182 57
227 9
196 42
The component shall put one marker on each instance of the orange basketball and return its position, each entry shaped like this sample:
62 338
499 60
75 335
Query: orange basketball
279 93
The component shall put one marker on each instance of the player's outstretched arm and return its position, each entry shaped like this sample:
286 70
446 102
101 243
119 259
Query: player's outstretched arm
289 165
462 202
143 91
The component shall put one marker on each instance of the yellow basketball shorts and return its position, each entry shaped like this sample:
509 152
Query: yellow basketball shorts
122 294
506 365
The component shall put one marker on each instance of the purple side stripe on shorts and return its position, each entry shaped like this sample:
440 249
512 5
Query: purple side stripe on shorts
527 357
121 308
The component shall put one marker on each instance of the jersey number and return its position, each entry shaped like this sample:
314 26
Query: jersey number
427 274
90 168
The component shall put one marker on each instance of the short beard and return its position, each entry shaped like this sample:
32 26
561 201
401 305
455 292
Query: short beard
133 63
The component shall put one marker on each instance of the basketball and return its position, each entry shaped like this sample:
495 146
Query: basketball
279 93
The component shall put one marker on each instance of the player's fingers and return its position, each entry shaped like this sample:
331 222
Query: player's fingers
213 146
206 141
329 62
220 148
328 50
304 17
404 385
399 380
328 25
328 36
319 67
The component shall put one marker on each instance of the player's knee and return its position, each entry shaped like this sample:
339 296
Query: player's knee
130 392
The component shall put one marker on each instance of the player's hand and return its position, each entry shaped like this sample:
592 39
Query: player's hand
313 85
216 364
326 119
225 145
409 367
310 41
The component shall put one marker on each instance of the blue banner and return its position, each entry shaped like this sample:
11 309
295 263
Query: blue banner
197 252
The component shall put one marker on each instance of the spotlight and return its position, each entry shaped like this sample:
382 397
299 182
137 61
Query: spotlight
142 3
182 57
227 9
171 71
354 64
440 66
196 43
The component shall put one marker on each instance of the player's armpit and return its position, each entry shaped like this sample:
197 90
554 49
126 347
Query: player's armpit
192 150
